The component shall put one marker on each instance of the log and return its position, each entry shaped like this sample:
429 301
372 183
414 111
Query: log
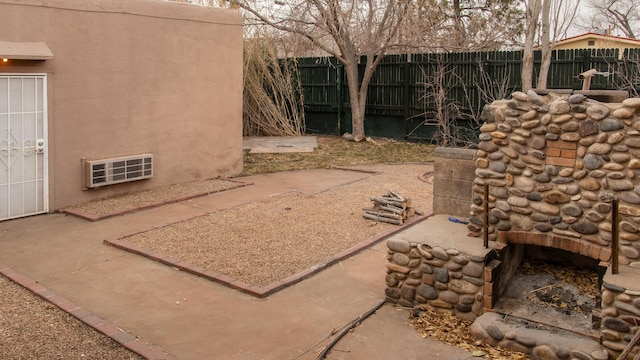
389 201
391 206
388 210
392 209
384 214
396 195
382 219
409 203
386 198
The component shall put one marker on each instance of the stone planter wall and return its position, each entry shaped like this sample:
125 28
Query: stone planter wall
433 277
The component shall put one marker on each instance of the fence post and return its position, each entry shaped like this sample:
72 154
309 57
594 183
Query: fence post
406 67
586 60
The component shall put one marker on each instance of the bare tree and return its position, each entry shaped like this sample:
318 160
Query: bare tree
626 72
482 24
464 25
622 17
492 86
630 80
212 3
348 30
546 22
557 16
442 109
532 12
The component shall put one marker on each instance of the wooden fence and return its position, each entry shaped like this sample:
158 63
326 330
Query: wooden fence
401 101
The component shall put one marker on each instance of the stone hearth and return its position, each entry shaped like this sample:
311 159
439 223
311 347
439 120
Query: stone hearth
435 265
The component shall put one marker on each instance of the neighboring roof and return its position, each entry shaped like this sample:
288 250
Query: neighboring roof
25 50
592 35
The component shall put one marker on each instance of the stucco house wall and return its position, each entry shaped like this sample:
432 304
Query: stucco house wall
131 77
597 41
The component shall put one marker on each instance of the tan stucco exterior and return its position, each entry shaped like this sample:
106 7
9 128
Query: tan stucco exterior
130 77
597 41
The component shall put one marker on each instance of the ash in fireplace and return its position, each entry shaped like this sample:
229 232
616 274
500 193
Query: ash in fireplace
558 295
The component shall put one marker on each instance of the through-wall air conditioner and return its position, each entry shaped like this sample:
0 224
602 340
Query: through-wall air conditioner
117 170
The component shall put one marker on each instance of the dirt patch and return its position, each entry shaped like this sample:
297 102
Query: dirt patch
266 241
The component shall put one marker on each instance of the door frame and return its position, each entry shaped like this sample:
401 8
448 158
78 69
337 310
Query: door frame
45 136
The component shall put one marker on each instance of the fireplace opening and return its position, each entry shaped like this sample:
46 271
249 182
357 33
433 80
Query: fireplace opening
553 287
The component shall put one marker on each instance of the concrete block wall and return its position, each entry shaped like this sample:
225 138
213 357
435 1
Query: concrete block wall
454 173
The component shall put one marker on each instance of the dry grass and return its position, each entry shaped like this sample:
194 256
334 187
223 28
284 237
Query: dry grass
335 151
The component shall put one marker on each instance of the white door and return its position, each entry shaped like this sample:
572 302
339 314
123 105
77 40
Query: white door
23 145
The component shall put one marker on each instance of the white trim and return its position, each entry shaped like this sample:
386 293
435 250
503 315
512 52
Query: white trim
45 136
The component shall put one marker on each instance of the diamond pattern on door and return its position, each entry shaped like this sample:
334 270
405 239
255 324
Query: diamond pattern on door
8 149
23 166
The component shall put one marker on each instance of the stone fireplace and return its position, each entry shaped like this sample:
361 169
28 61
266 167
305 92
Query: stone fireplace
553 165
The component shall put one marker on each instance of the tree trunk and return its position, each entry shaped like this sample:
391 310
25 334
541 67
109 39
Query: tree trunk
357 105
458 25
546 45
532 14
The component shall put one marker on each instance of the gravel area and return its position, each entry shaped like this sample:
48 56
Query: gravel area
153 197
266 241
31 328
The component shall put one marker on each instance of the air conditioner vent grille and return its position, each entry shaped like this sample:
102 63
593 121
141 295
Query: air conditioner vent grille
117 170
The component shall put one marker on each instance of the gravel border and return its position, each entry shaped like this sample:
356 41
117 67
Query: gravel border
147 199
261 247
258 291
33 315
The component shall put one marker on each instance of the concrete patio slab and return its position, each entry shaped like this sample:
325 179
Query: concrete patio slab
191 318
279 144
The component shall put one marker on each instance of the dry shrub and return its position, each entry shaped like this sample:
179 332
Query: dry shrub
273 98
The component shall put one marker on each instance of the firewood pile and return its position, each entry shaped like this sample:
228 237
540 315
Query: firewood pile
391 208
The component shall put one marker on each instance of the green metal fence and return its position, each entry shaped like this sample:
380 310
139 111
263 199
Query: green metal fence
401 98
